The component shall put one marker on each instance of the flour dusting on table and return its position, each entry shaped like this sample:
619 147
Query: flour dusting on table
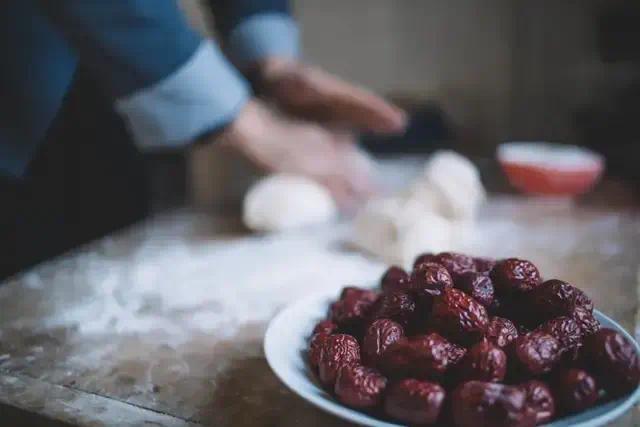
210 285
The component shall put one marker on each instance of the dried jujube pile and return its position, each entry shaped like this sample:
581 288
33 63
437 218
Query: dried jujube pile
465 341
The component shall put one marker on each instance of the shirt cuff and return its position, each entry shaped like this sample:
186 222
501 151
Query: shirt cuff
264 35
203 95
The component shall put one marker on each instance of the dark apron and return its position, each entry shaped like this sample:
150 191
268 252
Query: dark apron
86 180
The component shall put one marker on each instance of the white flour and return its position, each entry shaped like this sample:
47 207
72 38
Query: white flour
174 286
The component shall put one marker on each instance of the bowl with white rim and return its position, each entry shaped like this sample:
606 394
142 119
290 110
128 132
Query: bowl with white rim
548 169
285 348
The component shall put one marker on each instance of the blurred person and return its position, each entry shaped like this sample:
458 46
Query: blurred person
86 83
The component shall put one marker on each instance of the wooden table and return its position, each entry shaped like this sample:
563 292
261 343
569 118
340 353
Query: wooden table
162 324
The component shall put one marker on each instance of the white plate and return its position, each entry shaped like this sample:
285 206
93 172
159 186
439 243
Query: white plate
285 346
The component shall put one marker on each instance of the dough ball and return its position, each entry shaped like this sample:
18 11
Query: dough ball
428 196
429 233
397 230
282 202
449 164
435 214
376 226
451 186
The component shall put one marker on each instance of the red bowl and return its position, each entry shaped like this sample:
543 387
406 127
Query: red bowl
550 169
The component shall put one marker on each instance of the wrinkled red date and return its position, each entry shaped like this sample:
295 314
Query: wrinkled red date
484 265
501 331
535 353
455 354
477 285
456 263
426 257
588 323
378 337
355 292
483 362
515 275
415 402
360 387
428 280
539 400
482 404
614 361
395 279
555 298
422 357
459 317
575 390
337 350
566 330
353 307
582 300
325 327
315 348
397 306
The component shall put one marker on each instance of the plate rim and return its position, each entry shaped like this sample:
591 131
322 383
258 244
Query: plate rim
352 415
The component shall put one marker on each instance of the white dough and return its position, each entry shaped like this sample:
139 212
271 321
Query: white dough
282 202
428 196
436 213
376 227
397 230
450 185
429 233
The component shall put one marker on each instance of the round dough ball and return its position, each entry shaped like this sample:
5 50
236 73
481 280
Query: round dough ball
451 185
449 164
283 202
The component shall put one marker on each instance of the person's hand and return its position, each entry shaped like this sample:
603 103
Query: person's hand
280 145
310 93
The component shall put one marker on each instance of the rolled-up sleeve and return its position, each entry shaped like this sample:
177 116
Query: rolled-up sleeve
201 96
170 85
257 29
